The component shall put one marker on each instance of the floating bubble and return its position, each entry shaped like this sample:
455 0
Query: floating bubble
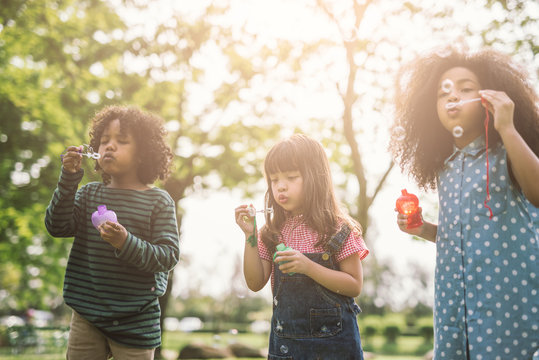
447 86
443 52
458 131
399 133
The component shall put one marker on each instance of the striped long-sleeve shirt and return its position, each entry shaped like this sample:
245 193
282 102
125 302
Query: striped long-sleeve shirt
116 290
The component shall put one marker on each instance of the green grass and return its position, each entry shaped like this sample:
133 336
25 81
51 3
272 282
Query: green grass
173 342
408 345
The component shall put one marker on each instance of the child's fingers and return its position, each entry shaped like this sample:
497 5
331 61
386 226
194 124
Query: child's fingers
402 221
242 215
286 255
112 225
74 148
72 161
104 228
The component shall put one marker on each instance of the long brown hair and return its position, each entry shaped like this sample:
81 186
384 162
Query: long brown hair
321 211
426 142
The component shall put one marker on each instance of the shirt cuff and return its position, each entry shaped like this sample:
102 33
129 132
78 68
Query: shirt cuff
68 178
130 245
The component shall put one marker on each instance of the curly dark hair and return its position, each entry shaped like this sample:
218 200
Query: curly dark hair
321 210
426 143
149 133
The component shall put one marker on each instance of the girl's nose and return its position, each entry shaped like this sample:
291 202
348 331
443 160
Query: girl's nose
453 96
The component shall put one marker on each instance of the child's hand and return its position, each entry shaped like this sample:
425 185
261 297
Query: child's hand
296 262
113 233
501 107
244 220
402 222
71 160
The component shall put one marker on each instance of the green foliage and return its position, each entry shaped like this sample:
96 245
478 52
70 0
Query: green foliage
227 309
370 325
44 60
425 329
391 332
60 62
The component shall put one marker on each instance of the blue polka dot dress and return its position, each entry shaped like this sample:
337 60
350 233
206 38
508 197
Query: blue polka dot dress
486 301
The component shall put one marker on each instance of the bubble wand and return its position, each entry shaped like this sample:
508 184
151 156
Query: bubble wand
87 151
252 211
460 103
487 118
253 239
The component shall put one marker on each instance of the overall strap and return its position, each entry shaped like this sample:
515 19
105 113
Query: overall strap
337 241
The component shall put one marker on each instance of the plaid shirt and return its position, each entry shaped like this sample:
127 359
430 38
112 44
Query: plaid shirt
297 235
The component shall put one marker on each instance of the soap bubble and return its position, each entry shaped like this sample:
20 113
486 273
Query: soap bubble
447 86
458 131
399 133
443 52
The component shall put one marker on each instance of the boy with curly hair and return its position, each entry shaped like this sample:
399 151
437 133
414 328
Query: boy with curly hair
117 270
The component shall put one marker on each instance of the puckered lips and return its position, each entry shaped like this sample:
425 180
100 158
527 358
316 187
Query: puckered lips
108 156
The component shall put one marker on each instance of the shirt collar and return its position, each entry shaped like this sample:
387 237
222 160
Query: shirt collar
474 148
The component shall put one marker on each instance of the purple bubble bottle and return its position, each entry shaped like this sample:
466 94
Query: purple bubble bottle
102 215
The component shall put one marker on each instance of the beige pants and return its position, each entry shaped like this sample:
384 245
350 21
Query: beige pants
87 343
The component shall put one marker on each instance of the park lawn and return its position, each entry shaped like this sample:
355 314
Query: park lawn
404 345
173 342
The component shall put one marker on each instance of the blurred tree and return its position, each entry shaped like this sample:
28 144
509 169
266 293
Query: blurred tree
46 51
360 56
61 61
372 51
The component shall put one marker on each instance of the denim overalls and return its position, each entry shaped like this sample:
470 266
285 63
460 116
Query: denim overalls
309 321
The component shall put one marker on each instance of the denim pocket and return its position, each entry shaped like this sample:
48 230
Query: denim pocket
326 322
498 200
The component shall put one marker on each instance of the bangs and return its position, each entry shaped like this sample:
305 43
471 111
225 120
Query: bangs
281 158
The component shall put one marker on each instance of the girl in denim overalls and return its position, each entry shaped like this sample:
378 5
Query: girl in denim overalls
315 280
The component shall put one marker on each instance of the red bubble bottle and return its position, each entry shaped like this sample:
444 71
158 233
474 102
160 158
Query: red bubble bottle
408 204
